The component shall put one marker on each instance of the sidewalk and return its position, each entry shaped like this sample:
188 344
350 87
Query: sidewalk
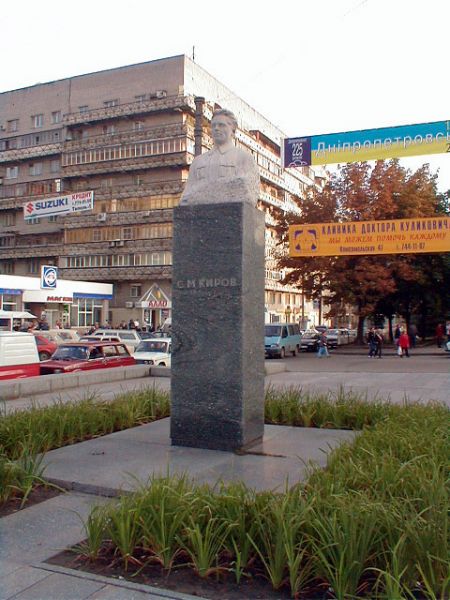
98 468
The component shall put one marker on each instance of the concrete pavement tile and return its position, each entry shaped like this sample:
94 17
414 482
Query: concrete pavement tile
20 580
60 587
112 592
302 442
42 530
8 566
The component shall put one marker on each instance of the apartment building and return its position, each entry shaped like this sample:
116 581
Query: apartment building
129 135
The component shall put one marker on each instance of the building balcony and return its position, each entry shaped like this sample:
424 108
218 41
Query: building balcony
118 219
111 274
17 154
30 190
117 246
27 251
164 131
121 164
271 200
161 104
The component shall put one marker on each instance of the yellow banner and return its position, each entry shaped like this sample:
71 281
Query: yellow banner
398 236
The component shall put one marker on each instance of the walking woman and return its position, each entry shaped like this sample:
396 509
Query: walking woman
403 344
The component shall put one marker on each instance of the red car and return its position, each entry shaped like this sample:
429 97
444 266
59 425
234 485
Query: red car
45 347
86 356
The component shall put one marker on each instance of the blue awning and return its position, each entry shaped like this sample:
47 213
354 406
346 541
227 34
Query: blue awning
10 292
93 296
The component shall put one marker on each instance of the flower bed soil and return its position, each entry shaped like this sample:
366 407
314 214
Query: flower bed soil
39 494
185 580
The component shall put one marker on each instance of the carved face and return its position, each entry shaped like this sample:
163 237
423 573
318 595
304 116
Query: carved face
221 130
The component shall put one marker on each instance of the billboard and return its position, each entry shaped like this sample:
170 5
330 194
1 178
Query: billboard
367 144
61 205
397 236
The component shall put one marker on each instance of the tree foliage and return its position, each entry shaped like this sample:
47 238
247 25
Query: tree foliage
394 283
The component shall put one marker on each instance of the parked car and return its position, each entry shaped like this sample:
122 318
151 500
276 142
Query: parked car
310 341
45 347
18 355
130 337
86 356
337 337
156 351
280 338
58 336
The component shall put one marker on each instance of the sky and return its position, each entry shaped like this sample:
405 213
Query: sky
309 66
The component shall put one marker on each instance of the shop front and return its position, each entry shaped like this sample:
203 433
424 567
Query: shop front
68 304
156 307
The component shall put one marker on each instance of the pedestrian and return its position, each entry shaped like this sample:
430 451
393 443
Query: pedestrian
413 335
371 340
447 330
440 335
403 344
323 350
397 333
378 343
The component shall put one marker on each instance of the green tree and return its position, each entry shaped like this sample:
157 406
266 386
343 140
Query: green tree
376 283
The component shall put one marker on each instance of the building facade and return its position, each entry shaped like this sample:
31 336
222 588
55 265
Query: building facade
129 135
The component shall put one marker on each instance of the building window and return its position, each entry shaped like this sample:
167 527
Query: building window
53 219
7 267
37 120
111 103
33 221
33 266
84 108
138 126
54 166
127 233
135 290
96 235
141 97
12 172
56 117
13 125
109 129
36 168
9 302
7 219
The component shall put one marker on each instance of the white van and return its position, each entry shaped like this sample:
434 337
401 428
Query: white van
18 355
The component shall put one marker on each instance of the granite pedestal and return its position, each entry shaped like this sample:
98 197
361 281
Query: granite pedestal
218 326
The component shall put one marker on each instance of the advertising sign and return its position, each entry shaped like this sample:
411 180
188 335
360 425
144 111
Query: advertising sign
49 277
61 205
398 236
367 144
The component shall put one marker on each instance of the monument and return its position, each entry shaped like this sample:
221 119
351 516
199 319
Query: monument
218 300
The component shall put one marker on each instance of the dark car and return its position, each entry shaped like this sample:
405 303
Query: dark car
310 341
86 356
45 347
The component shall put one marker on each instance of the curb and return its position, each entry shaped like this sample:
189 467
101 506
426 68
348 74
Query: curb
119 583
